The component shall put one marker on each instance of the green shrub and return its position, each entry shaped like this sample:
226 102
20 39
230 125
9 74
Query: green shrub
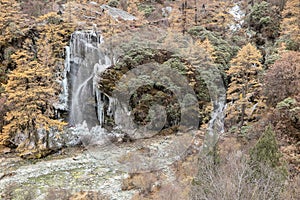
146 9
113 3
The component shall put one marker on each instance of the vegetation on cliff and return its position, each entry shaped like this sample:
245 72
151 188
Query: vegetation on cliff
33 60
255 52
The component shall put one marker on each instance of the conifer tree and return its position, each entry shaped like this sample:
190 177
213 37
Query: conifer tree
244 87
266 149
206 44
31 90
175 19
12 28
215 16
291 24
133 7
11 21
56 32
264 20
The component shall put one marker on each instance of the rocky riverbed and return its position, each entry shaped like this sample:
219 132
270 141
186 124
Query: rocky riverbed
92 172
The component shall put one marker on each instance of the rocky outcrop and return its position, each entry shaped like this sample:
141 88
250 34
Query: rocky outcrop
155 87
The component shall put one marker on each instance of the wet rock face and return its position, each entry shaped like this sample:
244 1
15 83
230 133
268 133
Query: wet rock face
85 60
154 93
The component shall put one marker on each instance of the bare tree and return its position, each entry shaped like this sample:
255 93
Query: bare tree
236 179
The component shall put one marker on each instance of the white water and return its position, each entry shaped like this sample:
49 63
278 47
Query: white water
216 123
238 16
84 63
217 91
78 104
64 95
88 104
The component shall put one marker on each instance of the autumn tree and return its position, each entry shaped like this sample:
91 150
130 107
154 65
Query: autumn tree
133 7
183 15
244 87
291 25
209 48
12 28
10 21
215 16
175 19
30 89
33 87
56 31
36 8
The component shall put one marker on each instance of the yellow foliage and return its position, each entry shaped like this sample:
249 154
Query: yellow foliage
291 20
215 16
206 44
11 21
133 7
32 87
244 88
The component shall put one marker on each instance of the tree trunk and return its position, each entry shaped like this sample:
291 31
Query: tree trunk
243 109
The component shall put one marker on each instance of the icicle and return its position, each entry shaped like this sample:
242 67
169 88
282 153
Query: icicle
84 63
111 106
64 95
67 61
100 107
101 39
65 87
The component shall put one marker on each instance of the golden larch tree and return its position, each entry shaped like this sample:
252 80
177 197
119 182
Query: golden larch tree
209 48
244 87
290 26
56 32
30 89
11 21
12 29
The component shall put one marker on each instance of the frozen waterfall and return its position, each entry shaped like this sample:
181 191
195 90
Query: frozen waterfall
80 95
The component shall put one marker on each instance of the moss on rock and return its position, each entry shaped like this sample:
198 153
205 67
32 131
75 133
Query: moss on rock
157 92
